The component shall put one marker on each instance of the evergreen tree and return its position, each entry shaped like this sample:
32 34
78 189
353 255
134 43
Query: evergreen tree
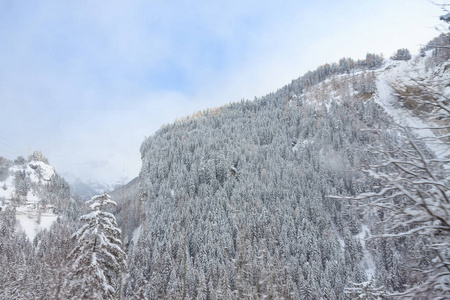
97 261
402 54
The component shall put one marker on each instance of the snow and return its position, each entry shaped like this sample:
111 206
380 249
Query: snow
28 223
303 144
10 190
136 235
367 262
401 75
341 242
27 214
46 171
37 171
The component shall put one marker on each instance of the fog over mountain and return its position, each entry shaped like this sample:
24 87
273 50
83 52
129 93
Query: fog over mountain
85 83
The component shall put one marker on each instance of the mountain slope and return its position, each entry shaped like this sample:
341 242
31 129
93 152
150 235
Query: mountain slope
402 83
234 200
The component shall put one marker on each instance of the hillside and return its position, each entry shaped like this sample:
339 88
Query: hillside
33 191
234 201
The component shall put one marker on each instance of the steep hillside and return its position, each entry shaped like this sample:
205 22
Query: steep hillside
127 211
234 201
404 85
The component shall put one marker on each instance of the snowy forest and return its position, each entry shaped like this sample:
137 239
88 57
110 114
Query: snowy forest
336 186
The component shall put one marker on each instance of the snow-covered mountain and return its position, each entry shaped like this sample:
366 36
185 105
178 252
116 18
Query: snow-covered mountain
234 201
33 190
85 189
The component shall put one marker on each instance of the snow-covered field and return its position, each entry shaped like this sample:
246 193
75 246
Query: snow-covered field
29 223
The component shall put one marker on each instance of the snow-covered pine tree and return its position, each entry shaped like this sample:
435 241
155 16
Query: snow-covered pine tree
97 261
402 54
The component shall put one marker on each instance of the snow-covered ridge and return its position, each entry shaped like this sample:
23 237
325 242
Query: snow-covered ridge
22 189
400 76
33 173
383 85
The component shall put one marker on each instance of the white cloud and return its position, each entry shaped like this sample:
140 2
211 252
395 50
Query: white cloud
86 81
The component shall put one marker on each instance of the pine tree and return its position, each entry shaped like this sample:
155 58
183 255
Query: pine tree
402 54
97 260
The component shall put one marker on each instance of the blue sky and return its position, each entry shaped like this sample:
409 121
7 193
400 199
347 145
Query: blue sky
86 81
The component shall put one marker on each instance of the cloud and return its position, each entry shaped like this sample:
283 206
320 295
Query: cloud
86 81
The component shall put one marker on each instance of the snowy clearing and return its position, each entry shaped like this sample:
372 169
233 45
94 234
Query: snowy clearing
28 223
